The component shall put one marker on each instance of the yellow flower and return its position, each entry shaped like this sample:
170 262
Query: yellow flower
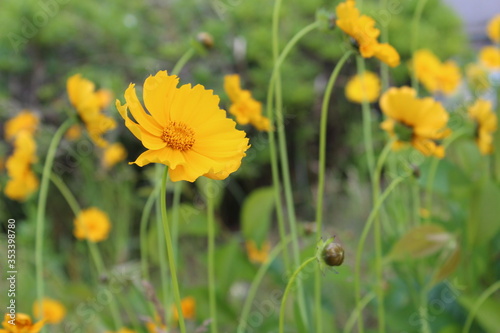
188 306
20 324
255 254
486 120
24 121
185 129
53 311
418 121
477 77
435 75
89 104
92 224
363 87
122 330
155 326
113 154
244 107
490 57
493 29
362 29
74 132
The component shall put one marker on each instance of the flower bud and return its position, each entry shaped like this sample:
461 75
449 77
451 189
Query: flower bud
205 39
333 254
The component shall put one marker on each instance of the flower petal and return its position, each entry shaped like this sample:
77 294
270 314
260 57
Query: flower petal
159 92
146 121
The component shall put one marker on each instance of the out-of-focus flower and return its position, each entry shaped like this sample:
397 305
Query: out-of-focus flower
185 129
53 311
20 324
362 87
435 75
486 124
188 306
477 76
122 330
490 57
24 121
155 326
421 122
74 132
92 224
493 29
113 154
362 29
89 105
243 106
255 254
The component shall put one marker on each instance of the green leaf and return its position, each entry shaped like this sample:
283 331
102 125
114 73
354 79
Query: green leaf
420 242
483 222
449 265
256 215
487 316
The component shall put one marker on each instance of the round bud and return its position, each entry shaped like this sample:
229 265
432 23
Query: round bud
205 39
333 254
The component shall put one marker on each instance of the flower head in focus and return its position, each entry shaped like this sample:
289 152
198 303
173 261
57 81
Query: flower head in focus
21 324
113 154
53 311
243 106
421 122
362 87
493 29
435 75
486 124
490 57
24 121
255 254
183 128
92 224
89 105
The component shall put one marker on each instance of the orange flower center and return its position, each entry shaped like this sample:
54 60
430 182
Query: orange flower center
178 136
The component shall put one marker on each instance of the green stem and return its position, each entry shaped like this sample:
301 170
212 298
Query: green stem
161 252
384 69
182 61
424 312
414 38
170 250
146 213
484 296
175 218
287 291
211 260
321 178
355 314
42 204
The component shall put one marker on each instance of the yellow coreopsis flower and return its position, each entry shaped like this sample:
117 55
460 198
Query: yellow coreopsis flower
184 129
255 254
486 121
92 224
188 306
435 75
24 121
362 87
20 324
53 311
89 105
244 107
490 57
113 154
421 122
362 29
493 29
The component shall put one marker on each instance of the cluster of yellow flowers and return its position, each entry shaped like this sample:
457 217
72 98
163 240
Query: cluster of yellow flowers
22 180
436 76
53 313
243 106
362 29
490 55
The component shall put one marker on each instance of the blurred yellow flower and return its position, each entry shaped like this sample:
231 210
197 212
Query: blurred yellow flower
255 254
53 311
477 77
74 132
362 87
122 330
156 326
435 75
185 129
92 224
243 106
188 305
420 122
362 29
89 105
493 29
24 121
20 324
486 121
113 154
490 57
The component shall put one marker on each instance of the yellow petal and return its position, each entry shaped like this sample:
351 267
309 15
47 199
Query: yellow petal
146 121
159 92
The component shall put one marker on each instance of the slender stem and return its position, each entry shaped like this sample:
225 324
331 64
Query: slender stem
321 178
211 261
42 203
182 61
414 38
384 37
424 313
256 283
287 290
170 251
356 313
475 308
146 213
175 217
364 234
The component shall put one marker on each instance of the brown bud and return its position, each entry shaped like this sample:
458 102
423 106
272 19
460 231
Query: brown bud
333 254
205 39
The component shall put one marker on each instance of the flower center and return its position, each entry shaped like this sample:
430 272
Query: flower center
178 136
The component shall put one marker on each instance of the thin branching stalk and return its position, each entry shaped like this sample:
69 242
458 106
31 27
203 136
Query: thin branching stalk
182 61
351 321
475 308
211 258
146 213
